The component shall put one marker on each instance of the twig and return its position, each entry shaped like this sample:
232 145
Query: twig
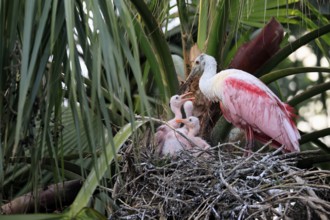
228 186
231 190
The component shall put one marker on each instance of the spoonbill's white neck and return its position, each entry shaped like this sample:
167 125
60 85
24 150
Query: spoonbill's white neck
193 131
188 108
209 71
177 113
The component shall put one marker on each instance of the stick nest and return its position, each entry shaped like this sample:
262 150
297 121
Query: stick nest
219 185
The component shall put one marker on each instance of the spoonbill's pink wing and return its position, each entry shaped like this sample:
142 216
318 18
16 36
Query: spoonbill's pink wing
247 102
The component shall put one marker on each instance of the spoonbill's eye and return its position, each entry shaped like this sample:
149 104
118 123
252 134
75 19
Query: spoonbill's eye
190 120
197 62
176 97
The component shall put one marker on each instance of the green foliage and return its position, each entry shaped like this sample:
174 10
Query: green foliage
73 74
34 217
288 49
66 91
101 166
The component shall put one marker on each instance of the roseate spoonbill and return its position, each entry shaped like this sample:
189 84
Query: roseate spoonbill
249 104
188 107
193 126
174 142
176 103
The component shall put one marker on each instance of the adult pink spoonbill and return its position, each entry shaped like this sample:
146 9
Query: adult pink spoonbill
249 104
176 103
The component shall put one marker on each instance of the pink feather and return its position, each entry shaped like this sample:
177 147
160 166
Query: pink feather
248 103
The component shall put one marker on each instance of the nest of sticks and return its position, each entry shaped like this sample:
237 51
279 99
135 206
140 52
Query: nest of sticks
219 185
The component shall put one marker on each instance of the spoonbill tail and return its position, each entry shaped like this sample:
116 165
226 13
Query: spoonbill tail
176 103
249 104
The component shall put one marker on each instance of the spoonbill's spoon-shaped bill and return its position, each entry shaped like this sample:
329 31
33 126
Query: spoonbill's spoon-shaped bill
176 103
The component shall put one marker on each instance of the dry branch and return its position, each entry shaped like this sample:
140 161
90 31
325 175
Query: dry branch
222 186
